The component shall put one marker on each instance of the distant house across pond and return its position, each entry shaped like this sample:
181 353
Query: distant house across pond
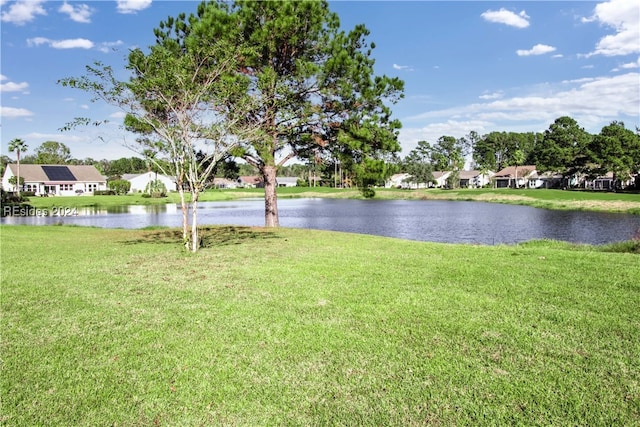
55 180
475 178
285 181
139 181
524 176
253 181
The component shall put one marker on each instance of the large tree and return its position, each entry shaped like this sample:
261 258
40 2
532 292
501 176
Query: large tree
19 146
312 85
563 148
418 163
52 153
616 149
497 150
448 155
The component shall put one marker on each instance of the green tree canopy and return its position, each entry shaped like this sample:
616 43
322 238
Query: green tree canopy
616 149
52 152
563 148
418 163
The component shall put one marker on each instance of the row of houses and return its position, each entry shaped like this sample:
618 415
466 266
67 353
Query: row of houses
525 176
72 180
75 180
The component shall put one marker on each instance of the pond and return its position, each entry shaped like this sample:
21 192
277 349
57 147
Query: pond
424 220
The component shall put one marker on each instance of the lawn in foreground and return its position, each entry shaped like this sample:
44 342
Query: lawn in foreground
302 327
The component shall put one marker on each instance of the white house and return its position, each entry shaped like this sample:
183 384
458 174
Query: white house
224 183
139 181
517 177
55 180
285 181
398 180
441 178
475 179
250 182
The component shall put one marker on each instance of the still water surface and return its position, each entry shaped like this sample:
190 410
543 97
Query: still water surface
425 220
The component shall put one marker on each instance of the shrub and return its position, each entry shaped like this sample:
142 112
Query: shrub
368 192
120 186
104 193
156 188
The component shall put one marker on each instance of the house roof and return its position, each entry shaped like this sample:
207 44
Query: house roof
57 173
399 176
254 179
440 174
510 171
283 179
150 174
223 181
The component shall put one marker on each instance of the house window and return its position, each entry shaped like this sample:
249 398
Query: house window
66 187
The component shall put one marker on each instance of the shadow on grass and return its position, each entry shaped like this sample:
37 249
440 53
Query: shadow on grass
209 236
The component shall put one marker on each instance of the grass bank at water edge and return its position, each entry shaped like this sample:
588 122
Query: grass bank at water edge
303 327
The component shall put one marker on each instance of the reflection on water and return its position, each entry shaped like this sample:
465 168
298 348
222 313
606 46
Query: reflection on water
437 221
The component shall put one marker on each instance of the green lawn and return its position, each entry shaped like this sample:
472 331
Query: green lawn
303 327
123 200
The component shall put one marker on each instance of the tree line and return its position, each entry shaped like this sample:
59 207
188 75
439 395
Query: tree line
564 148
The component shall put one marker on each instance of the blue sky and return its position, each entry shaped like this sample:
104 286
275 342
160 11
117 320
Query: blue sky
482 66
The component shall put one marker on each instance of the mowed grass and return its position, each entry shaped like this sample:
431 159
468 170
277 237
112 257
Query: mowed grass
303 327
119 200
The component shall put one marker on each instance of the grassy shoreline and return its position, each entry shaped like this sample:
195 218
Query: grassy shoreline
545 199
304 327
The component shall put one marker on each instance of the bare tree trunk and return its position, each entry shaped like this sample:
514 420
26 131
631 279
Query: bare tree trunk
270 196
195 243
185 217
18 186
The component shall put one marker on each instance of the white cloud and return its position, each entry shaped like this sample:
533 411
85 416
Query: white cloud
11 112
494 95
504 16
631 65
402 67
623 16
409 136
539 49
593 102
80 13
107 47
13 87
23 11
132 6
61 44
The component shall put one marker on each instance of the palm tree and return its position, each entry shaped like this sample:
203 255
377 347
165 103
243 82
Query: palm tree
19 146
518 159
